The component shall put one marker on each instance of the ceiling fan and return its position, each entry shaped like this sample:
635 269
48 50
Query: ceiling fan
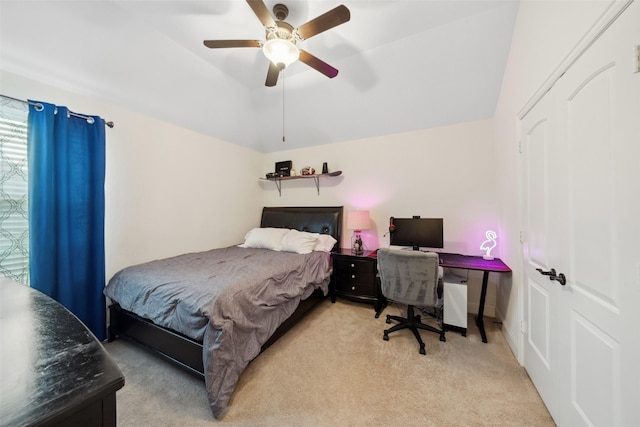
281 38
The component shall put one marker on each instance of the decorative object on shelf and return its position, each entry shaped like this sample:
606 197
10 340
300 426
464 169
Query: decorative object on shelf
293 172
325 168
489 244
307 170
284 168
358 221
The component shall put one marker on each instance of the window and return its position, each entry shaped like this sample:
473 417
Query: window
14 204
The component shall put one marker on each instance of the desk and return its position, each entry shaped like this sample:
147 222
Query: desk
470 262
54 371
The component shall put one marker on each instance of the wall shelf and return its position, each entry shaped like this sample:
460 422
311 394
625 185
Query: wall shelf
315 177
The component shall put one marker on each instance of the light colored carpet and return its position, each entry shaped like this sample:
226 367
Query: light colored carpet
333 368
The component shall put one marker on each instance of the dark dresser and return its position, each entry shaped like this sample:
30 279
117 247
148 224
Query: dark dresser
53 371
356 277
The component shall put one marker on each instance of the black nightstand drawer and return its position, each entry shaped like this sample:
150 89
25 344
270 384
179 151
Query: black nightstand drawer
355 288
355 276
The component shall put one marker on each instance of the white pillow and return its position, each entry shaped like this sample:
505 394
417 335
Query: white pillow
264 238
299 242
324 243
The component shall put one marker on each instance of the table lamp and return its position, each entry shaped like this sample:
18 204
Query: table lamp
489 244
358 221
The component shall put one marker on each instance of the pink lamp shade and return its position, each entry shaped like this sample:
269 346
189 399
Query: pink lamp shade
358 220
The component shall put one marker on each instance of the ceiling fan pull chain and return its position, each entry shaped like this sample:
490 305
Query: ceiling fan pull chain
283 139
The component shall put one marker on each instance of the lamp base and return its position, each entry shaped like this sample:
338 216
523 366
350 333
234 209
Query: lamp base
356 243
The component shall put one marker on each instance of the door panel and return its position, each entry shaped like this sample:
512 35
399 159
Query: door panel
539 323
590 137
601 367
536 146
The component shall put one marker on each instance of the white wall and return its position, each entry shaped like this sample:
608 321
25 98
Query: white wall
544 34
168 190
441 172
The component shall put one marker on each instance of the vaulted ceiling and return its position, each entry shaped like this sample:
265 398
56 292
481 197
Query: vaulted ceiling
403 65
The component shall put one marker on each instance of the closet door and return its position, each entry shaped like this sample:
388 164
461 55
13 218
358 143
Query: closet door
539 143
582 152
599 307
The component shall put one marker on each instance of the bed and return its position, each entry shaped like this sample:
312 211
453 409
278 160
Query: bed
213 312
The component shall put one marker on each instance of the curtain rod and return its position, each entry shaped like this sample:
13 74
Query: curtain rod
37 104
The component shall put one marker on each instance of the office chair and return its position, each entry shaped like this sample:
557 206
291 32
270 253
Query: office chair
413 278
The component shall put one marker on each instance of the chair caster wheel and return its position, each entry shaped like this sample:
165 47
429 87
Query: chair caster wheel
422 350
385 336
388 319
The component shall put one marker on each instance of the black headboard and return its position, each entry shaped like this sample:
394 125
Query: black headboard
322 219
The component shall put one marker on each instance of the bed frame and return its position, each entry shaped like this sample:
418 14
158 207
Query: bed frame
187 352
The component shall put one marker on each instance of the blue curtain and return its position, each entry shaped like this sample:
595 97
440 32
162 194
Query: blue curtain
66 211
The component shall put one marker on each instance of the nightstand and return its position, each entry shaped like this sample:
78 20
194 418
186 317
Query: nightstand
356 277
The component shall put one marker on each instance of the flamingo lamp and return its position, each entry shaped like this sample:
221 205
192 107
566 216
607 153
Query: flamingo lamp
489 244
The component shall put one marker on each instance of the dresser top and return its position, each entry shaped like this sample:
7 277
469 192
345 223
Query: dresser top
50 361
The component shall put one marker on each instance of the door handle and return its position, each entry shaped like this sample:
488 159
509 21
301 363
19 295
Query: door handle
551 272
561 278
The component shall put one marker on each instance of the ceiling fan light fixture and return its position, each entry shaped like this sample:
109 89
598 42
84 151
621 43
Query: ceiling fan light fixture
281 52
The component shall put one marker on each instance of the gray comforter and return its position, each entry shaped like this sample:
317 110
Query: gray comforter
232 299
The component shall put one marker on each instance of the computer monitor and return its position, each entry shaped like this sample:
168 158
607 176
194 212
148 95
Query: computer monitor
416 232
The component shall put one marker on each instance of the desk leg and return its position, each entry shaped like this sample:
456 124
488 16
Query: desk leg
480 316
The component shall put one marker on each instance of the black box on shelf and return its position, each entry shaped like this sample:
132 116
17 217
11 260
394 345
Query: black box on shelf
283 168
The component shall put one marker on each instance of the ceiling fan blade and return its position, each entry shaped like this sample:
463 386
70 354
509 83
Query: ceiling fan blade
324 22
318 64
272 75
216 44
261 11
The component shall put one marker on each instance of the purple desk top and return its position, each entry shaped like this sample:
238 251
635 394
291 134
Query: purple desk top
472 262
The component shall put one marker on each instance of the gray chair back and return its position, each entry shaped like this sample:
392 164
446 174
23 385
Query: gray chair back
409 277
